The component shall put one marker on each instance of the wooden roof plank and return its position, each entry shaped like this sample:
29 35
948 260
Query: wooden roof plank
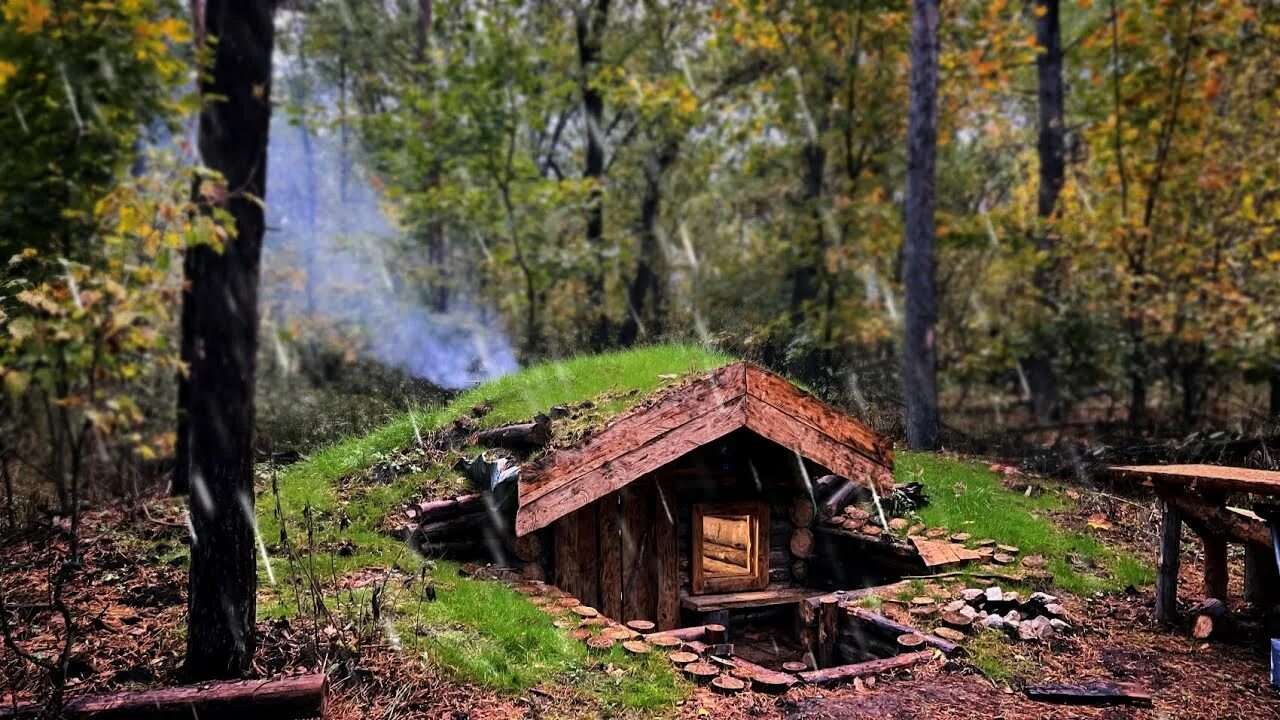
1205 477
802 406
941 554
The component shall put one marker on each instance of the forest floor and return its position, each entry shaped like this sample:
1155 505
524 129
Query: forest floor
405 637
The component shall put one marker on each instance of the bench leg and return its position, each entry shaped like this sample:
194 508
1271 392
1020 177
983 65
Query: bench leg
1170 550
1215 567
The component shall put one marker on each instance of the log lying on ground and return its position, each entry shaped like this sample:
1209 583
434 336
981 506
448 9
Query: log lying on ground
1208 612
468 524
844 673
893 629
826 484
519 436
687 634
835 502
1098 693
433 510
282 698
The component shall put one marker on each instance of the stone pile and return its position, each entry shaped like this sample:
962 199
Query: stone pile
1037 617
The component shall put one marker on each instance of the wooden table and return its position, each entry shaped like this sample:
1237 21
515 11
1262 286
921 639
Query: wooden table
1197 495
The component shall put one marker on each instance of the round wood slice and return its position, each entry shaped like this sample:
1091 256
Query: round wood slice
960 537
564 624
916 529
636 647
585 611
640 626
871 529
947 633
802 512
619 633
742 673
531 571
601 643
580 633
701 672
568 602
1002 558
593 622
802 543
680 657
529 588
986 542
956 620
772 682
935 533
528 547
799 570
715 634
922 610
794 666
986 552
539 600
1037 562
898 524
1008 549
665 641
910 640
728 684
857 513
851 524
836 520
922 600
1039 579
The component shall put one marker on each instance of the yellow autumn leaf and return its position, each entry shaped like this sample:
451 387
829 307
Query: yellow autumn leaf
7 70
30 15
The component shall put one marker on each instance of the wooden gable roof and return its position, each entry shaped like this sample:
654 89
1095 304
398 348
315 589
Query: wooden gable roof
689 416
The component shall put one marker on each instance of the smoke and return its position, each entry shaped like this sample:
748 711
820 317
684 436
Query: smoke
337 270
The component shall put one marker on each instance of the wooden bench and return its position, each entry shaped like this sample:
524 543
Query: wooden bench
749 599
1197 495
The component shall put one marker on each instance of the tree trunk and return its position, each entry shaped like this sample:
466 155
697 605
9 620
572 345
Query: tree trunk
590 26
648 279
281 698
918 267
221 327
1275 396
1051 148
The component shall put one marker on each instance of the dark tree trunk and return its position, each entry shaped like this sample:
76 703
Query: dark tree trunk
590 26
804 276
645 295
1051 148
220 325
1275 396
918 262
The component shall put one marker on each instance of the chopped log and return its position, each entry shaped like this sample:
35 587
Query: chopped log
725 553
794 666
825 484
581 633
839 498
910 641
956 621
802 543
663 641
857 514
725 532
714 634
433 510
1170 552
532 571
890 628
728 685
468 524
520 436
1202 628
960 537
802 512
584 611
637 647
1008 549
687 634
619 633
285 698
1207 612
701 672
844 673
640 626
799 570
828 631
871 529
762 678
681 657
601 643
950 634
1098 693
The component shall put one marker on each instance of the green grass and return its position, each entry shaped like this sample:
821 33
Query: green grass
991 653
966 496
477 631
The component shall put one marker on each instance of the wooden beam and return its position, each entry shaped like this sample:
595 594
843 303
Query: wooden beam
668 559
611 540
1207 518
786 397
639 566
1170 552
282 698
889 627
639 460
769 422
845 673
1216 478
828 631
755 598
640 425
1098 693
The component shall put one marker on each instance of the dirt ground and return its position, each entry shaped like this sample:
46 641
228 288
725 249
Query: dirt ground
129 608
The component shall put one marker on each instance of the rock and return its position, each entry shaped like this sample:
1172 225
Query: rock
967 611
1038 629
1034 561
994 594
971 594
1060 625
994 622
954 606
1055 610
1013 616
898 524
1040 597
1011 597
915 529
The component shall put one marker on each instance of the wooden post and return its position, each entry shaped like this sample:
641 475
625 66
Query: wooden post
1170 552
1261 577
1215 567
828 631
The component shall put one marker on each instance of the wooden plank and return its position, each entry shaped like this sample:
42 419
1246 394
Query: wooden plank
279 698
612 476
828 631
639 566
640 425
1209 518
749 599
1097 693
890 627
793 401
938 554
609 517
772 423
1205 477
845 673
577 556
1170 551
666 548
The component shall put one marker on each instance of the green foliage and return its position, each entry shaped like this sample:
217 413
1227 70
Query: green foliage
967 497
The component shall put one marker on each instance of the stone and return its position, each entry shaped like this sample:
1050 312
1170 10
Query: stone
1042 598
993 594
1011 598
1055 610
971 594
898 524
1013 616
1040 628
968 611
1060 625
954 606
994 622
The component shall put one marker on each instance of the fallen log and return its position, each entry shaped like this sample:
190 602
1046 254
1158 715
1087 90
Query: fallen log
519 436
433 510
893 629
469 524
844 673
838 498
1097 693
1208 612
826 484
281 698
687 634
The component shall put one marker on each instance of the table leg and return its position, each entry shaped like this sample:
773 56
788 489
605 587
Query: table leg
1170 550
